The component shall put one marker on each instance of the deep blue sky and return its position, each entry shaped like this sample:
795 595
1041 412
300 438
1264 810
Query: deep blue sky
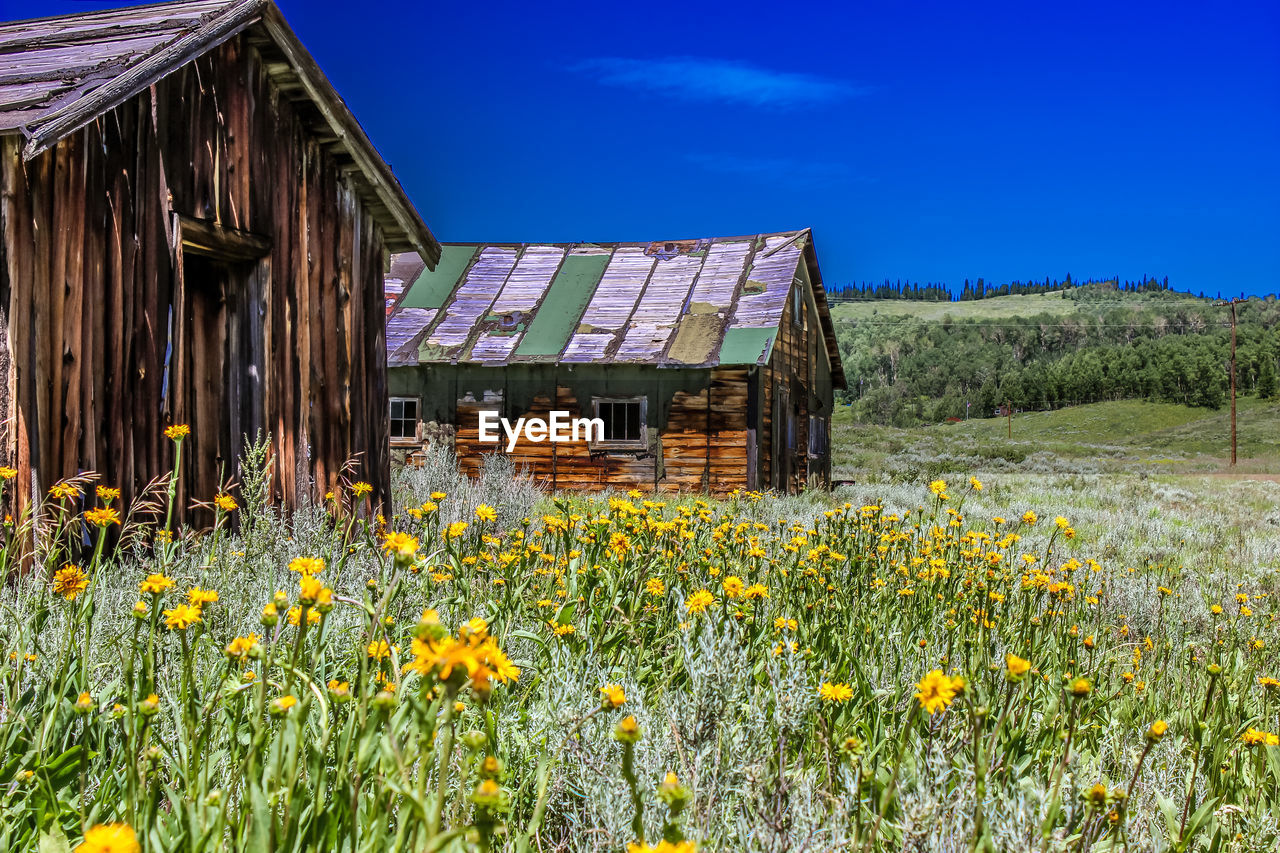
931 142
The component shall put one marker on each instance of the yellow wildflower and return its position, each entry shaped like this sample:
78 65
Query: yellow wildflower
109 838
835 693
937 690
182 617
102 516
699 601
612 696
155 584
70 581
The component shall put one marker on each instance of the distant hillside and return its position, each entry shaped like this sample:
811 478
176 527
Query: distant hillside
912 362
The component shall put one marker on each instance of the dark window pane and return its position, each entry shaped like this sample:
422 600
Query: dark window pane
633 421
411 410
397 407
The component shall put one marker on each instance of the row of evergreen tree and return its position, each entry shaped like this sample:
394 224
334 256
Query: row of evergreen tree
980 289
908 371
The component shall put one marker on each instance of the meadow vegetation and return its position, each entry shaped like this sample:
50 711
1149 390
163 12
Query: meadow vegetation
993 660
913 362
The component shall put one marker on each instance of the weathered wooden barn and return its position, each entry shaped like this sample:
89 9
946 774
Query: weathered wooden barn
194 228
711 363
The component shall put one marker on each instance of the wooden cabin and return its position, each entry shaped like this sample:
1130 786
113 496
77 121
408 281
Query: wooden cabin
710 364
192 230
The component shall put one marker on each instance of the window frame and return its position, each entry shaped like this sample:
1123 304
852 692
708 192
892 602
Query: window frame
417 418
641 442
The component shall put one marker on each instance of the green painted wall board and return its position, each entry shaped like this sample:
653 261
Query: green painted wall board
746 346
562 306
432 288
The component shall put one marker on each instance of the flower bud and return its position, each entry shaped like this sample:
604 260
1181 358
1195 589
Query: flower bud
1157 731
853 746
488 794
672 792
491 767
612 696
627 730
150 706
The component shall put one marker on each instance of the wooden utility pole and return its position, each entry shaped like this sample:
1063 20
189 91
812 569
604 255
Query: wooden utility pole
1008 413
1232 304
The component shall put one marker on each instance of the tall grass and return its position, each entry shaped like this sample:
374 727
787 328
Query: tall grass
896 666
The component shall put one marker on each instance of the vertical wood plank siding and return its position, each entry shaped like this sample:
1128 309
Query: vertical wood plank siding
93 265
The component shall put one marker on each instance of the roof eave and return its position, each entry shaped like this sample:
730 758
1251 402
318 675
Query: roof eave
108 96
824 315
410 232
417 237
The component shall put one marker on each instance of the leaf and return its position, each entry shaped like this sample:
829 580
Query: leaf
1201 816
565 615
54 840
259 840
64 768
1170 812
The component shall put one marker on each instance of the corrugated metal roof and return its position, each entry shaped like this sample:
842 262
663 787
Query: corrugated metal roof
680 303
58 74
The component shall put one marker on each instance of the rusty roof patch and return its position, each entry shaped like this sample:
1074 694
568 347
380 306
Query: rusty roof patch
666 303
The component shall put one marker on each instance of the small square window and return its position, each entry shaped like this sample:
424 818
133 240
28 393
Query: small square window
404 418
624 421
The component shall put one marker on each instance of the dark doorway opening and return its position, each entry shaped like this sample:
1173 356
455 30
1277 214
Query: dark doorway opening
216 366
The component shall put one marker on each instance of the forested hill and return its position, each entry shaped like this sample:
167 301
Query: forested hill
921 361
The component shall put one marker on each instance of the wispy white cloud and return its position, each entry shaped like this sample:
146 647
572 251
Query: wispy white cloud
789 169
694 79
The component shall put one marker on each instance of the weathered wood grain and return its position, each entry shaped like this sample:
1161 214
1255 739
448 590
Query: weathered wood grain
116 329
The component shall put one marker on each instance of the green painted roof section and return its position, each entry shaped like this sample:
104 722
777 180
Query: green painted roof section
562 307
746 346
432 288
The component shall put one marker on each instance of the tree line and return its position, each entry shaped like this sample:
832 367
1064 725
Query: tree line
980 289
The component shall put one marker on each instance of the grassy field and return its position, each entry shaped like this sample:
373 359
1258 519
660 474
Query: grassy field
998 307
1129 436
1061 643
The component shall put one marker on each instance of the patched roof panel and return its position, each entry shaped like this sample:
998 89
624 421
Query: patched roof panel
678 303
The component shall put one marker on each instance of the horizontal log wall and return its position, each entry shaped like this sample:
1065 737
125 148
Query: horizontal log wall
93 265
699 442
